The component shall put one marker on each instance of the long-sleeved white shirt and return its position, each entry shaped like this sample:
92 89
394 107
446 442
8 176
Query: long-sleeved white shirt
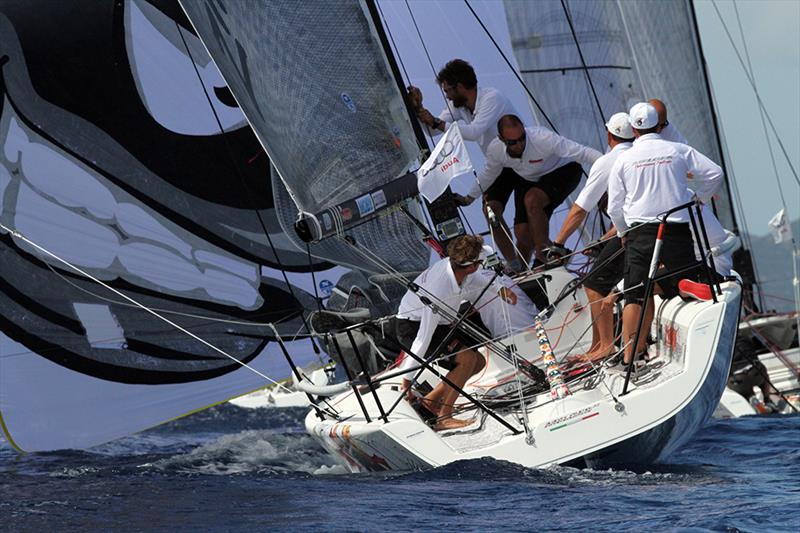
597 182
499 315
544 152
438 284
650 178
480 126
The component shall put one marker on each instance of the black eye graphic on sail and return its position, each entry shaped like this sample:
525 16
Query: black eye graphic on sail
166 62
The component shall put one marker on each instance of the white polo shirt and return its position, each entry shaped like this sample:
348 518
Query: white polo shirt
438 284
650 178
544 152
597 182
480 126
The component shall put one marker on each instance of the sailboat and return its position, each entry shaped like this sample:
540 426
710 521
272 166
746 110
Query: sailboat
605 418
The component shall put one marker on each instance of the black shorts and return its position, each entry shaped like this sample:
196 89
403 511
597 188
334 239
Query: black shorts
608 269
677 251
500 191
558 184
406 332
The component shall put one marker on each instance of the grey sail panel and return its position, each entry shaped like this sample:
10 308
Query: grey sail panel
316 86
633 50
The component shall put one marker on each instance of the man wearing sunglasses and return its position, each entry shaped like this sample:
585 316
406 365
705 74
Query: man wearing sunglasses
549 169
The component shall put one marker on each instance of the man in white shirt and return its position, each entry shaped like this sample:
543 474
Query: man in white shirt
477 111
668 131
550 166
445 285
608 268
647 180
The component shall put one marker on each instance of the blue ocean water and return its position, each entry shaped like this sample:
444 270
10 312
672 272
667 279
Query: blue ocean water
234 469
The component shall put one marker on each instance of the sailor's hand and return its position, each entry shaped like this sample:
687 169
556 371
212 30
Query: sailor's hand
556 252
426 117
462 200
508 295
414 97
592 249
407 388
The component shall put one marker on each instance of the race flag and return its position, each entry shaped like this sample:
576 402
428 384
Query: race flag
781 231
448 160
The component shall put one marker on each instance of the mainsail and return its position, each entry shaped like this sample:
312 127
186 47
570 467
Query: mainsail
585 61
317 87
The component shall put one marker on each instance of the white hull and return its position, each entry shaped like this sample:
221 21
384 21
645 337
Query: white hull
658 415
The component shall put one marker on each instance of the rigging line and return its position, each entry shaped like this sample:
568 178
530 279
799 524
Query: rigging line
795 251
430 61
644 88
760 111
240 175
755 90
20 236
313 277
568 16
513 70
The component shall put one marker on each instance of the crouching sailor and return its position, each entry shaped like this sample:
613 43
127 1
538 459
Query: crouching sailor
444 286
646 181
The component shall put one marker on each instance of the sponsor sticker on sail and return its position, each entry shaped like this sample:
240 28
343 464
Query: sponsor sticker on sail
448 160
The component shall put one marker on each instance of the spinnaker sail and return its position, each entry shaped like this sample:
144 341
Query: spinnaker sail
123 153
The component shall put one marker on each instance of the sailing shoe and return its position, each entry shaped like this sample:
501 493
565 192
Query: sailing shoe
693 290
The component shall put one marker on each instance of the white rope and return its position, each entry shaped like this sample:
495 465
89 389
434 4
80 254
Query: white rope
20 236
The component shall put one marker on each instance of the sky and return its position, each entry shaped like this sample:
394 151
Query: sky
772 32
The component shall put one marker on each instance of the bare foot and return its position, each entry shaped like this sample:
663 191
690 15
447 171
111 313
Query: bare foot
452 423
593 356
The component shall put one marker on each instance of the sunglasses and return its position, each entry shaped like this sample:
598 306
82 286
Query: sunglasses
513 142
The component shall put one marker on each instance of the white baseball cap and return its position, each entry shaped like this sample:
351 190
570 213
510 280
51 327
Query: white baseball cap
620 126
643 116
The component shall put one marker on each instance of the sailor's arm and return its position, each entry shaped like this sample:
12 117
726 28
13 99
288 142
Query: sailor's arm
616 198
492 168
485 117
706 174
566 148
575 217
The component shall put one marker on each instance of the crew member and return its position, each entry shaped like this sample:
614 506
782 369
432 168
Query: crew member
445 285
608 268
647 180
551 168
477 110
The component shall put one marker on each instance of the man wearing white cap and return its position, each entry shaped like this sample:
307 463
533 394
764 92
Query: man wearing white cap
607 269
647 180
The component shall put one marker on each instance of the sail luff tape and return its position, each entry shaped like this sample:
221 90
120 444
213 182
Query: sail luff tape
558 389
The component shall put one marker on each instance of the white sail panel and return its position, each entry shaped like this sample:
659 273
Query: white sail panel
632 51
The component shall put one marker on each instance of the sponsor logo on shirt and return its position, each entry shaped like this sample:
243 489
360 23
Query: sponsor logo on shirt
653 161
535 160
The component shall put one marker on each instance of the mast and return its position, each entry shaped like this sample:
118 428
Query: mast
742 258
445 216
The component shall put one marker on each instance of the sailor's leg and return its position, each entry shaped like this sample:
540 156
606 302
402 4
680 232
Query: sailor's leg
500 232
630 319
522 232
535 202
469 362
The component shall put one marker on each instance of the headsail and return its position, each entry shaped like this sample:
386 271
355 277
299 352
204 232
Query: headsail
317 87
